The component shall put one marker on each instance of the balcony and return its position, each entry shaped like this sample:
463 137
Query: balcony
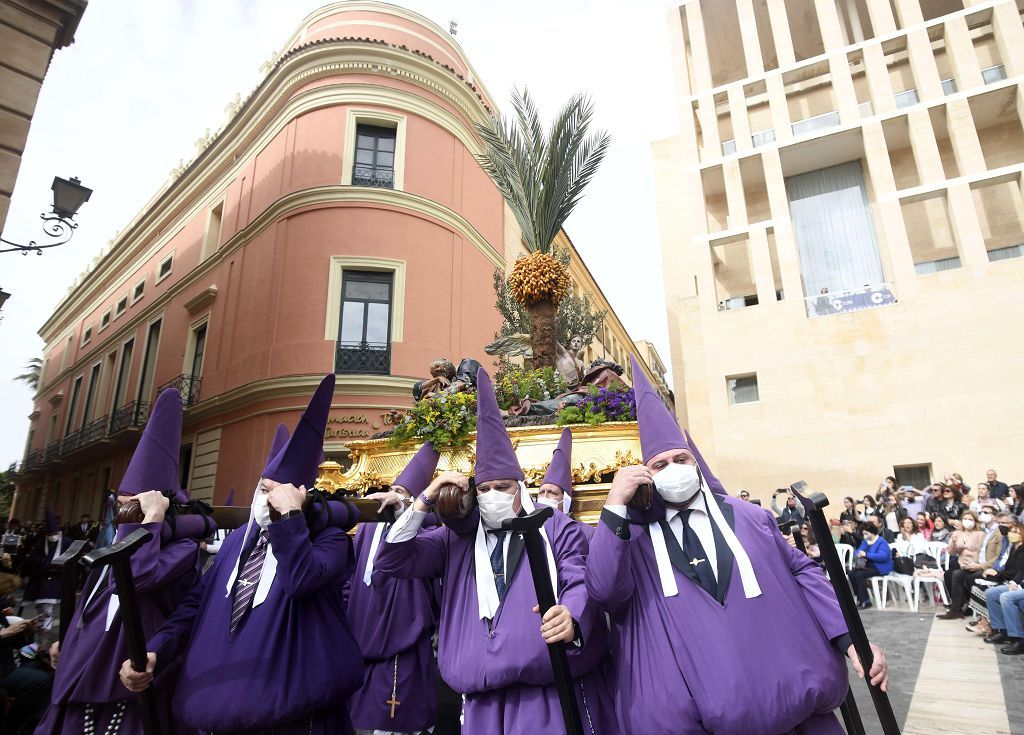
380 178
86 435
818 122
844 302
131 414
363 358
187 386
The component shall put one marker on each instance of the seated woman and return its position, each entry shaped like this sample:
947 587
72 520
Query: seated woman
940 530
1005 602
924 526
877 562
908 544
964 545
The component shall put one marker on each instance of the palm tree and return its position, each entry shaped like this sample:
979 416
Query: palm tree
31 378
542 178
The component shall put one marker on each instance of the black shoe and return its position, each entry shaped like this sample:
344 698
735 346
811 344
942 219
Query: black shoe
998 636
864 605
1013 649
951 615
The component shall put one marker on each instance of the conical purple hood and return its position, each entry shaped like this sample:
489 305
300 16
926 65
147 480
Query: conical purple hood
495 457
714 484
560 470
51 521
154 464
420 470
280 439
659 431
297 462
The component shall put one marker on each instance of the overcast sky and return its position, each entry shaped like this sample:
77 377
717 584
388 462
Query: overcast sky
144 80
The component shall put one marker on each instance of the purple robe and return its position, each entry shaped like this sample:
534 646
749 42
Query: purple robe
762 665
503 666
43 582
292 661
91 656
392 618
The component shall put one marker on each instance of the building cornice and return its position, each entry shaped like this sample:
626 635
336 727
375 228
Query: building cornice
297 386
266 112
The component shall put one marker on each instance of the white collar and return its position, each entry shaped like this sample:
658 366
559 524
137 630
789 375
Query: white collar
698 505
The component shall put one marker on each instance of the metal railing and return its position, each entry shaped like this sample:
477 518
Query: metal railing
817 122
854 299
381 178
131 414
187 386
363 357
86 435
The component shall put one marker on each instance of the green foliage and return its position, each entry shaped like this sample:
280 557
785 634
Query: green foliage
6 493
616 403
542 175
513 383
33 369
446 420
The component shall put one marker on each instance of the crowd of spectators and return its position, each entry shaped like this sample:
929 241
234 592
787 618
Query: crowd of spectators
966 540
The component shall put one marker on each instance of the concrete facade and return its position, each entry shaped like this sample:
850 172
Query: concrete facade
243 260
916 373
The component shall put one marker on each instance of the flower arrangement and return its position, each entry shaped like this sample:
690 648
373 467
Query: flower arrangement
617 403
445 420
513 383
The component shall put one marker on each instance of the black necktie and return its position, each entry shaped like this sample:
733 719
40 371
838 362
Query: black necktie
693 550
498 563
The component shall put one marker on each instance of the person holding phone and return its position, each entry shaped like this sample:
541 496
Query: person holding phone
692 579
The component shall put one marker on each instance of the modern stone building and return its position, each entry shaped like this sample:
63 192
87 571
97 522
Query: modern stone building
338 222
842 223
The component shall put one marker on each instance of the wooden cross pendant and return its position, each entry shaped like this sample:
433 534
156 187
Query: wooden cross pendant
394 703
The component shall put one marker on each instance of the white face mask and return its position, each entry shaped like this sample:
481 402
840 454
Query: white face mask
261 509
968 523
495 507
550 502
53 538
985 517
677 483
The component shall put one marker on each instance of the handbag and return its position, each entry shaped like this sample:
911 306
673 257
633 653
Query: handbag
925 561
861 562
903 565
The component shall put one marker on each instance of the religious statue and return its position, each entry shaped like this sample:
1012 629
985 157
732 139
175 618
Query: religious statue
442 372
567 361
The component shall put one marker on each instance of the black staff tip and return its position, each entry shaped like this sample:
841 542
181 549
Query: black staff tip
531 522
122 549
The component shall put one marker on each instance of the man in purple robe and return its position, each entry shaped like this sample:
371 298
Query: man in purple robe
394 620
266 643
556 488
43 588
87 696
492 643
696 584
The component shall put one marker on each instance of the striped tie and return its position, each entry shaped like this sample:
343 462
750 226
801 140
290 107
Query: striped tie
245 584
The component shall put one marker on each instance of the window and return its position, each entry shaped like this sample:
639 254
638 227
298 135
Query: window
742 389
763 138
934 266
364 334
149 362
164 269
728 147
214 225
198 349
121 387
76 391
86 335
90 394
139 290
105 320
122 304
949 86
907 98
375 157
1012 251
818 122
194 364
919 475
993 74
185 465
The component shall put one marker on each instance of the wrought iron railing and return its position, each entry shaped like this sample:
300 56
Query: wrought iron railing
131 414
363 357
187 385
33 459
381 178
52 451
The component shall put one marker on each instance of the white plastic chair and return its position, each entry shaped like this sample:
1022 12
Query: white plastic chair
845 555
938 551
877 590
903 582
922 583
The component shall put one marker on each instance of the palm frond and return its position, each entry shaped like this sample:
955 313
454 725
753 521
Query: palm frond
541 175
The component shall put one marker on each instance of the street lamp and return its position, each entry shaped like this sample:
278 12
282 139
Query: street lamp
68 197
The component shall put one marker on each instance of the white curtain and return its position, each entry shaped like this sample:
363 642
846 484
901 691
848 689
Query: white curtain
833 229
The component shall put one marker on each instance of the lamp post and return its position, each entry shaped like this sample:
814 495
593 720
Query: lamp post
68 197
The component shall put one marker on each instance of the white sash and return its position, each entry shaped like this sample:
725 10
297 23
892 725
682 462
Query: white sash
368 572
